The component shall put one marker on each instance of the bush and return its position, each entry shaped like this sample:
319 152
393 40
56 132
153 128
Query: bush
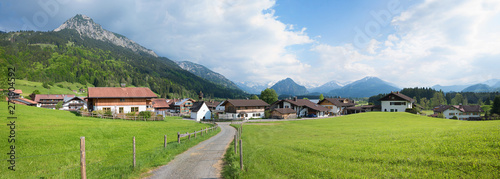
440 115
46 85
59 105
145 114
411 110
454 117
108 113
60 86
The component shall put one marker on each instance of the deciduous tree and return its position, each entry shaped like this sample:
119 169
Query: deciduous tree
269 96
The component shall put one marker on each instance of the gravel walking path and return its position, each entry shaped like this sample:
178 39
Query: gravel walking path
201 161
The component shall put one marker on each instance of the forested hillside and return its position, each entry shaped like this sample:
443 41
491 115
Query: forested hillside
68 56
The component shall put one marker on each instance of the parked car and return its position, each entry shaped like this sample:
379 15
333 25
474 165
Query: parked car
312 115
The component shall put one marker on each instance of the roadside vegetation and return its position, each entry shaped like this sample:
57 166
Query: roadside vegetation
48 144
372 145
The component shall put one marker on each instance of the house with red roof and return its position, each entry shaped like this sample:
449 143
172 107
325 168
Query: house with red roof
462 112
161 106
50 100
120 100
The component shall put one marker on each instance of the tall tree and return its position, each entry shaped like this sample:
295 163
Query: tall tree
269 96
438 99
321 97
458 99
495 109
254 97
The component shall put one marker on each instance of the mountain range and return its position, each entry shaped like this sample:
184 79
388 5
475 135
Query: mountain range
492 85
81 51
205 73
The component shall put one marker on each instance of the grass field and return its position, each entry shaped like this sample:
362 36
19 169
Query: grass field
372 145
29 86
48 143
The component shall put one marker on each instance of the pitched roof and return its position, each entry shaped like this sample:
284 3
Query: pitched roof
66 99
118 92
285 110
178 103
462 108
212 104
306 103
246 102
17 91
197 106
398 95
338 102
39 97
160 103
25 101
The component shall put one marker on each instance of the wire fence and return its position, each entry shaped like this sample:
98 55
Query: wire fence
106 162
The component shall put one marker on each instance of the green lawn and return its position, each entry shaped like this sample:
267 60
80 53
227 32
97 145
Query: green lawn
48 144
29 86
372 145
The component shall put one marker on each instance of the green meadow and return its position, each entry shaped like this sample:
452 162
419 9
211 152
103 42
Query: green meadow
48 143
67 88
370 145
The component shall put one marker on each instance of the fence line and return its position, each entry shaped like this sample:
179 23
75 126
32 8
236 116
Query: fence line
124 117
83 164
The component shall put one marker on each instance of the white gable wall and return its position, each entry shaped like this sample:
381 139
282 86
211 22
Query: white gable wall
390 106
202 112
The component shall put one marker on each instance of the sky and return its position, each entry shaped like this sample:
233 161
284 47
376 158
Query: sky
405 42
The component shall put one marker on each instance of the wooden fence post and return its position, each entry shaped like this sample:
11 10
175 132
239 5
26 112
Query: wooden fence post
165 141
241 154
189 136
133 141
235 141
83 166
201 131
178 137
206 130
194 134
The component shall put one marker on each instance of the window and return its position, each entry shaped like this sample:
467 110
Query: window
398 103
134 109
106 109
392 110
122 100
120 110
451 114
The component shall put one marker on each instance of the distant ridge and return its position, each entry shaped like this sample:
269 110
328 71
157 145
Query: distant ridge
85 26
365 87
289 87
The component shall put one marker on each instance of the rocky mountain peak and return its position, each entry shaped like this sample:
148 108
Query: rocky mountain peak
85 26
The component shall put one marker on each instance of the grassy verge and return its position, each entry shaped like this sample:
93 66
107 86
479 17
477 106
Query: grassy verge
231 163
372 145
67 88
48 143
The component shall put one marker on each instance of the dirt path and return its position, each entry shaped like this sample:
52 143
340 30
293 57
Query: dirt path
201 161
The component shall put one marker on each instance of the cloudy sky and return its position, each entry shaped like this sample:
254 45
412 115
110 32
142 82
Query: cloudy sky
408 43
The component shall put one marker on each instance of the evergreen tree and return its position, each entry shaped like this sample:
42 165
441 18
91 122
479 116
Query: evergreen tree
495 109
269 96
254 97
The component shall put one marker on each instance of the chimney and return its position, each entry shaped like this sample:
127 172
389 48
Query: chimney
295 98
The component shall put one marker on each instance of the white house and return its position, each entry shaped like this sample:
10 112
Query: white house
396 102
462 112
243 109
302 107
120 100
200 111
220 107
74 103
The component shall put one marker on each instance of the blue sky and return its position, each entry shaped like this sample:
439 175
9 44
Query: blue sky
408 43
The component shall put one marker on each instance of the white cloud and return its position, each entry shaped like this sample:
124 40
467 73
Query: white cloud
443 42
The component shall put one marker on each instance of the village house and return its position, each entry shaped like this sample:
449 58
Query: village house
336 106
243 109
74 103
283 113
161 106
182 106
462 112
302 107
15 94
50 100
200 111
120 100
362 108
396 102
